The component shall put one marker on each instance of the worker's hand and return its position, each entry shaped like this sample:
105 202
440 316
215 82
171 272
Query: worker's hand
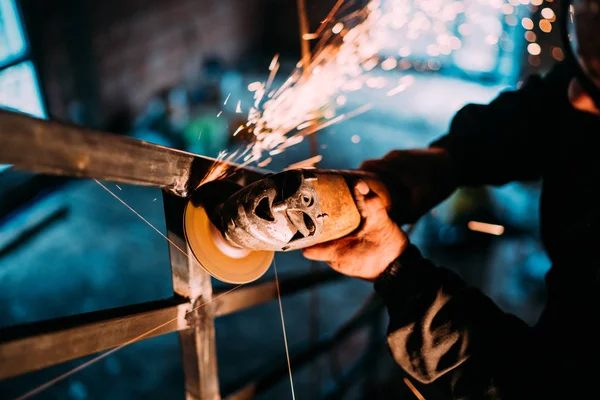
367 252
417 180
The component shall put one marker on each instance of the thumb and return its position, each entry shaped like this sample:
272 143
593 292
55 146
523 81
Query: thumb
369 204
361 189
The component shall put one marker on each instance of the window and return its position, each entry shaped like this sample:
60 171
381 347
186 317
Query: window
19 88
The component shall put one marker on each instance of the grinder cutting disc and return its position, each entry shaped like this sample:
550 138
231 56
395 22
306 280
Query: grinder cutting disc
222 260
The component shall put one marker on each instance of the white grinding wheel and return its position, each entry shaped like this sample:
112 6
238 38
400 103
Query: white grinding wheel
220 259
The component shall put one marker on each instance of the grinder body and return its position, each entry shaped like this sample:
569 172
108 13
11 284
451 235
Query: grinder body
287 211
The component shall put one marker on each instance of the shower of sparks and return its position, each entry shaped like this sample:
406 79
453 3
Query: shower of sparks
219 114
118 187
226 99
348 56
238 108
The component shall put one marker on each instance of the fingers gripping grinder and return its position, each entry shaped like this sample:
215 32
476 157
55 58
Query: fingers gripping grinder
233 231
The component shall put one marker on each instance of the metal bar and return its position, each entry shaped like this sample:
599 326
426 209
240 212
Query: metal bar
198 346
256 386
29 347
304 43
55 148
253 295
306 58
50 342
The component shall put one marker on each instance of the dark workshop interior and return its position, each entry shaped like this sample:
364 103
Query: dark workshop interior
161 71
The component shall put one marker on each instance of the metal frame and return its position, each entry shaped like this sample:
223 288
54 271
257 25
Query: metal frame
55 341
78 152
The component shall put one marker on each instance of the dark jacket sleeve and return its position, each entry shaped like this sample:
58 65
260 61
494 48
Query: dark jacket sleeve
443 330
506 139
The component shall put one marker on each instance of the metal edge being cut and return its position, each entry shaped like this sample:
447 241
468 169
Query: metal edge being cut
207 247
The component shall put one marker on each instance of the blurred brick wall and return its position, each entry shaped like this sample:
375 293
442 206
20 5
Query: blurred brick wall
113 55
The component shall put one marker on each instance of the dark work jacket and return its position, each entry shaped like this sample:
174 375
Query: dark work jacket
445 331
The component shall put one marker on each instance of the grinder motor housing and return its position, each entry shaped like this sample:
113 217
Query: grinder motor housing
286 211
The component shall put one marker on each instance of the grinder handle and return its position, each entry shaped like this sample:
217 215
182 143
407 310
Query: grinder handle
375 184
336 194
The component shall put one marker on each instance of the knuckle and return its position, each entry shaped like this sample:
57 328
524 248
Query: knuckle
373 204
367 164
391 155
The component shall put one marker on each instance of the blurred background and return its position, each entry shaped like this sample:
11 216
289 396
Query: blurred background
161 71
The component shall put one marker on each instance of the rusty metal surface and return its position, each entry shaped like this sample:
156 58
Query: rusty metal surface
55 148
190 280
52 342
30 347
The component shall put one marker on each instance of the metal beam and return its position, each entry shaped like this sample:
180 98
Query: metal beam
190 280
55 148
29 347
253 295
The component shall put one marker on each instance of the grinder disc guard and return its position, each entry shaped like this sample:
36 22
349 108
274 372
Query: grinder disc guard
218 257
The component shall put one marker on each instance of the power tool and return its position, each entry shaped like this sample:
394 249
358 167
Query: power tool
233 231
232 226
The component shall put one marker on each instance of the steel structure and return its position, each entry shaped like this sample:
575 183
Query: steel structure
59 149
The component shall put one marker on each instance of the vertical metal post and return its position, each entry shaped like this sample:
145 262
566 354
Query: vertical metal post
198 344
306 59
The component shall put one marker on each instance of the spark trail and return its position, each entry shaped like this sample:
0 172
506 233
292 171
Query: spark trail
348 51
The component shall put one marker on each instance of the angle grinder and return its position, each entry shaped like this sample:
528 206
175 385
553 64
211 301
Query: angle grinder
233 231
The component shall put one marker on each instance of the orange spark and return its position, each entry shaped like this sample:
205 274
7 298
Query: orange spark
238 130
413 389
265 162
492 229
